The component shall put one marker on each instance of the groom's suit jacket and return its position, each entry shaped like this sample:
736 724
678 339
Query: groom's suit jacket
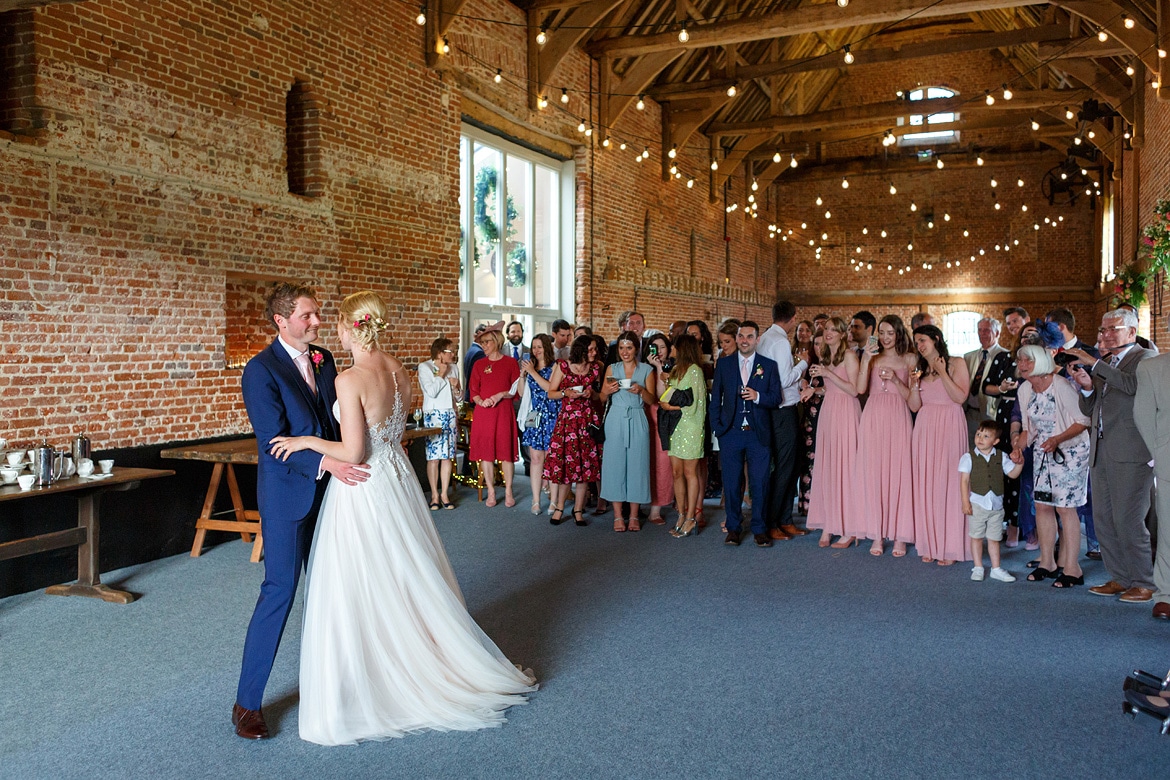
279 403
725 406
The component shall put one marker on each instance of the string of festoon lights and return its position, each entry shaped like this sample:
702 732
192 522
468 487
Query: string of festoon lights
628 140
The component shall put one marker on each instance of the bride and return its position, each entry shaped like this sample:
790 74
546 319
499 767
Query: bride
388 646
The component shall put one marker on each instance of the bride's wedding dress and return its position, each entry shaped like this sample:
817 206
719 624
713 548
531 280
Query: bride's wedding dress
388 646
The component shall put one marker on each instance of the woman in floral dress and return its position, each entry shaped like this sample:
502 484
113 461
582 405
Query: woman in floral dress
537 374
573 455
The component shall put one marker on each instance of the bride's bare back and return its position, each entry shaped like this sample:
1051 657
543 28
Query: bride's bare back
366 394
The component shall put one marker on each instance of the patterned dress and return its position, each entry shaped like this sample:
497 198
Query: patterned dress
1067 481
808 449
549 409
686 442
573 456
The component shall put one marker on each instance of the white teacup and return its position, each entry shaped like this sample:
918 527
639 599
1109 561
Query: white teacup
578 388
15 457
8 476
27 481
625 383
84 467
106 465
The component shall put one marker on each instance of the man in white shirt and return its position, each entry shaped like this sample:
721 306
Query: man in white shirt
980 407
774 345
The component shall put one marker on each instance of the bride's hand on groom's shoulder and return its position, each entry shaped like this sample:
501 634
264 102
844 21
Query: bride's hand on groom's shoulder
348 473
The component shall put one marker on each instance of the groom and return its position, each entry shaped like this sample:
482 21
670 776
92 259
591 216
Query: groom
288 391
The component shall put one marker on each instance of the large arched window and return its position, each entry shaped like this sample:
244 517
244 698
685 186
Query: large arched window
961 330
927 136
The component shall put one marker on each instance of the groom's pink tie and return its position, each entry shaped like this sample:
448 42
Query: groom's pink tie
302 362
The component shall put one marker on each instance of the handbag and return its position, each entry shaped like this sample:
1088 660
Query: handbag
596 430
1045 496
532 420
668 420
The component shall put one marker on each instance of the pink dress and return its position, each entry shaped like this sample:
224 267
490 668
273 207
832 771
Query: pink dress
883 477
661 478
939 440
832 502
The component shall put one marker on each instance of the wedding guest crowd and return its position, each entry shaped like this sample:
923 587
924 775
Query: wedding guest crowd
866 427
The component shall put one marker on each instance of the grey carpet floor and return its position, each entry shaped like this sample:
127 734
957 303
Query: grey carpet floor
656 657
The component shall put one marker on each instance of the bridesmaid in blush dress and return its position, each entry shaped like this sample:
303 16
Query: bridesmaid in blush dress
938 388
832 502
883 478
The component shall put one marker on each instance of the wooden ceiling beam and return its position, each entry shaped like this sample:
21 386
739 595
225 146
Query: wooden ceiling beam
867 166
1080 48
16 5
891 110
795 21
576 26
615 98
1056 33
1103 83
1107 15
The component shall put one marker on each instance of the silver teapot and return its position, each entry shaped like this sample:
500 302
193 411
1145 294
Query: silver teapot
46 466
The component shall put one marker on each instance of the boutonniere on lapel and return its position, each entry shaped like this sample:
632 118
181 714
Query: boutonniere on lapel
759 371
316 358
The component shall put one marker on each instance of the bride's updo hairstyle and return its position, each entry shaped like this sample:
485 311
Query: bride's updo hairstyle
365 314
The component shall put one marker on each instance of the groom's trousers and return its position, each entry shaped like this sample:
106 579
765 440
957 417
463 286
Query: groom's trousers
286 551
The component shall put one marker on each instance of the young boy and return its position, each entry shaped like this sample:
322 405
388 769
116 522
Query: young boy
983 470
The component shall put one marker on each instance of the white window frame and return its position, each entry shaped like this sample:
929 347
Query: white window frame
955 321
920 120
563 267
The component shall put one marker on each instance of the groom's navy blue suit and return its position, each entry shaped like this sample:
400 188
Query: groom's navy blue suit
738 443
280 403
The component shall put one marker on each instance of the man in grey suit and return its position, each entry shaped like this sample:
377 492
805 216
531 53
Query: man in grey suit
1151 414
1120 462
979 406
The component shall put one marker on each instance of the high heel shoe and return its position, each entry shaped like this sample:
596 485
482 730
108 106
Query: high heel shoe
825 539
579 517
619 525
558 515
876 548
689 527
841 543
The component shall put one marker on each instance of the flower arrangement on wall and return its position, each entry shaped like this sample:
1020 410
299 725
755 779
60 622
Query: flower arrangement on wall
1136 279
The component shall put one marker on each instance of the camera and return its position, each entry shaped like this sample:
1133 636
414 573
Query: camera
1043 496
1064 359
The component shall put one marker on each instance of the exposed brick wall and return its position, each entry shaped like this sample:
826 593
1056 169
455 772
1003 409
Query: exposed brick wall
1155 183
17 68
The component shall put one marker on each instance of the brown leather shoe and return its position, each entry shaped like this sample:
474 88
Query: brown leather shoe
778 534
1111 588
1162 610
249 723
762 540
1136 595
792 530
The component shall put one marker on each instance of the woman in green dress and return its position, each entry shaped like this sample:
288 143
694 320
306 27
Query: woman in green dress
686 443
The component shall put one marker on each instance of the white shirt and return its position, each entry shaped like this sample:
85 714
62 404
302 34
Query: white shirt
989 501
436 390
774 344
295 353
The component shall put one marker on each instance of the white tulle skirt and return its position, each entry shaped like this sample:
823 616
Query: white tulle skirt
388 646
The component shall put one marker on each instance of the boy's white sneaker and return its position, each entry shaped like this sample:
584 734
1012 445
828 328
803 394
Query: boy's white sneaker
999 573
977 573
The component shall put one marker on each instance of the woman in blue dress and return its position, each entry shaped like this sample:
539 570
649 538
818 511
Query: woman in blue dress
625 461
541 411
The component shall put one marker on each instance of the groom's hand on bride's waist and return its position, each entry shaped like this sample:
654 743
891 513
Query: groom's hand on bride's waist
348 473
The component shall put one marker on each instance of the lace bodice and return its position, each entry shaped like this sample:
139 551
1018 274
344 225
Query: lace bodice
384 438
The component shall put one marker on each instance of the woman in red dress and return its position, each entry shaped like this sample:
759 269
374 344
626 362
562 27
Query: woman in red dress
493 425
573 456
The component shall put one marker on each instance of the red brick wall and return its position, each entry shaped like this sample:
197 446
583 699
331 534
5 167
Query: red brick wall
1154 179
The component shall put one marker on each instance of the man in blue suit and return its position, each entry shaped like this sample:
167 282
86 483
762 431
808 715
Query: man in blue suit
288 391
746 386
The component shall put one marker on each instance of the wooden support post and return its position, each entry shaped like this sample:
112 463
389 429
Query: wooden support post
533 58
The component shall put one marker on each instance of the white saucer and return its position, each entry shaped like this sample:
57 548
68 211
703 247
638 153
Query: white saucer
96 475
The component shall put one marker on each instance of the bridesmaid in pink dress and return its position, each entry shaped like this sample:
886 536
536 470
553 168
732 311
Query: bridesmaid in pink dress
938 388
661 477
832 502
883 479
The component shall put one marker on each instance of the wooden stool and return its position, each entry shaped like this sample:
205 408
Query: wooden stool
247 522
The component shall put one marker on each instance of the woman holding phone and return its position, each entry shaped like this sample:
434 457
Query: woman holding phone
573 456
686 443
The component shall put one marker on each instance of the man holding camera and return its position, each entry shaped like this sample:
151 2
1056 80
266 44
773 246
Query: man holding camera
1119 460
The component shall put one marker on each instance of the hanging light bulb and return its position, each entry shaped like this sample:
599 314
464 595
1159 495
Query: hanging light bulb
673 152
731 91
683 35
605 143
930 224
622 146
910 247
776 157
1007 93
939 163
842 3
714 165
1102 35
865 231
1127 21
641 104
1155 84
673 170
988 98
1092 135
564 95
690 183
994 183
1129 69
914 207
499 76
820 202
581 126
1077 140
755 185
1161 54
751 198
844 183
979 160
1023 207
1035 125
824 236
646 152
589 132
1019 182
884 234
848 55
997 206
543 102
421 19
828 214
1068 114
446 46
966 233
893 189
1036 226
541 37
793 163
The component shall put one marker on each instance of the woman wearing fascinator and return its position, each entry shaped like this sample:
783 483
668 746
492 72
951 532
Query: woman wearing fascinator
492 385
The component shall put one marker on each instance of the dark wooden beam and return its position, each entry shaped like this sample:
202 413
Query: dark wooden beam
796 21
16 5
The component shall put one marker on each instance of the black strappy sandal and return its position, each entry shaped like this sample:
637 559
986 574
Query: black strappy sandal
1039 574
558 515
579 518
1068 581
